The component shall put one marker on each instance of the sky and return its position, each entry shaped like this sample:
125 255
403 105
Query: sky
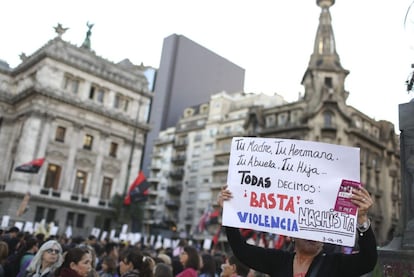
272 40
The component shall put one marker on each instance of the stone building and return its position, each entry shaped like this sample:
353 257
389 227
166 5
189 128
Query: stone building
87 117
189 163
321 114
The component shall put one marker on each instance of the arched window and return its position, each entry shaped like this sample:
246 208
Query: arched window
328 119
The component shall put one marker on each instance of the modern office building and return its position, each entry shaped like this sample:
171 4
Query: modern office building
188 75
202 138
87 117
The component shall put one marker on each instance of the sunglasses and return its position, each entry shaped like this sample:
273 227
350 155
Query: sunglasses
50 251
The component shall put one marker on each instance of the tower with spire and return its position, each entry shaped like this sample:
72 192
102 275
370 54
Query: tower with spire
324 78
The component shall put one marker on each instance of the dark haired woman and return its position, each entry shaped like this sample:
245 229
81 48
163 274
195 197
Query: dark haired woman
208 269
77 263
190 259
134 264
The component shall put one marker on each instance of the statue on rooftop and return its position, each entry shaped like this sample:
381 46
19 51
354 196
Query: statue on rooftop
87 42
60 30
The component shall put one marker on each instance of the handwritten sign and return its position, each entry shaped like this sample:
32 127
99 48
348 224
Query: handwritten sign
290 187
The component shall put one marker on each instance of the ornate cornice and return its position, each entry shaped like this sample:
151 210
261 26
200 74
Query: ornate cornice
87 61
87 106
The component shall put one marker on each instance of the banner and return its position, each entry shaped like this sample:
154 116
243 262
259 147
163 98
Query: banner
138 190
31 167
291 187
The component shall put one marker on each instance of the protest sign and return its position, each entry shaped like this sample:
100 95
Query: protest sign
291 187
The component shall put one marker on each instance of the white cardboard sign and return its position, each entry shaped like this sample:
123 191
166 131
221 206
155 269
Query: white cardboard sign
290 187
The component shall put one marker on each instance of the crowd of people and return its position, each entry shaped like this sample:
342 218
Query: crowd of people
33 255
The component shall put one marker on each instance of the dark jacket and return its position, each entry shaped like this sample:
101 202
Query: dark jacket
133 273
67 272
279 263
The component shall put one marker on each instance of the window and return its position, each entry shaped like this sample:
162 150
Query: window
71 84
80 182
270 120
97 93
113 149
70 218
87 142
39 214
282 119
106 188
328 82
328 119
204 109
208 147
196 151
121 102
198 136
194 166
80 220
188 112
60 134
52 176
50 215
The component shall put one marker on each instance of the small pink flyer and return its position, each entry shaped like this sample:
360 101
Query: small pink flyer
343 200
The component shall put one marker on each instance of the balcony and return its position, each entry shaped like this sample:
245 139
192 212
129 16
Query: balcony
175 189
329 131
178 159
172 204
181 143
50 192
177 174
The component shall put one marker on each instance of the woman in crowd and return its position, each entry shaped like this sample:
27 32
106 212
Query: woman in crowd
77 263
208 268
47 259
109 268
308 257
190 260
4 252
234 268
134 264
28 252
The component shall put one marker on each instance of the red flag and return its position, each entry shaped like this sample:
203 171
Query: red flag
279 242
217 236
138 190
214 217
203 220
31 167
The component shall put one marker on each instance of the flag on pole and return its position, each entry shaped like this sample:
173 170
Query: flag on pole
214 217
138 190
31 167
216 237
201 226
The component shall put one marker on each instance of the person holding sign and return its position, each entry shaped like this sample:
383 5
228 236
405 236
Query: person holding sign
308 258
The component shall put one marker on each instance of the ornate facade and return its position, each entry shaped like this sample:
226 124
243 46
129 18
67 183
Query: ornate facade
87 117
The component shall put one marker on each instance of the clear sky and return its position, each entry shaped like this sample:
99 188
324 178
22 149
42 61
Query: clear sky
271 39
